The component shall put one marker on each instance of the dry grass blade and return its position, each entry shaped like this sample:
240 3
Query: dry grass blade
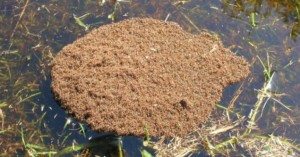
2 119
20 18
227 128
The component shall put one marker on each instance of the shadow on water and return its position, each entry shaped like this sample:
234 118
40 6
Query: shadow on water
33 31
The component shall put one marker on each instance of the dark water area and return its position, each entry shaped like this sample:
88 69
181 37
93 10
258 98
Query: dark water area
32 32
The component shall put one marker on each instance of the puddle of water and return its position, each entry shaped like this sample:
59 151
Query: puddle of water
33 31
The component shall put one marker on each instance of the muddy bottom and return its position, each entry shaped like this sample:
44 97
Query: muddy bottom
144 73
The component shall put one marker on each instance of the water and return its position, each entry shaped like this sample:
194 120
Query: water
32 33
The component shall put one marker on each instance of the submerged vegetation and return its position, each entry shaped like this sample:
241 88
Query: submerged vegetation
241 135
258 117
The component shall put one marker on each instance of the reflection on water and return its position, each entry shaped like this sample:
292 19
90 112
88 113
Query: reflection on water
286 11
33 31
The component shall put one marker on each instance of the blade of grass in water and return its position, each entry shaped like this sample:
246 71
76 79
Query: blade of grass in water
252 19
29 97
79 21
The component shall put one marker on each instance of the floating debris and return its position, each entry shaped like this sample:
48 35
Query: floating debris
80 22
141 73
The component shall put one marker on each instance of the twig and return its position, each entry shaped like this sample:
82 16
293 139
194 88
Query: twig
241 87
227 128
190 21
20 18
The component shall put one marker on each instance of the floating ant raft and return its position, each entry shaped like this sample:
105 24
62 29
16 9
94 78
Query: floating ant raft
139 73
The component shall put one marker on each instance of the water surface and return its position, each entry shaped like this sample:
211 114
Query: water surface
33 31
